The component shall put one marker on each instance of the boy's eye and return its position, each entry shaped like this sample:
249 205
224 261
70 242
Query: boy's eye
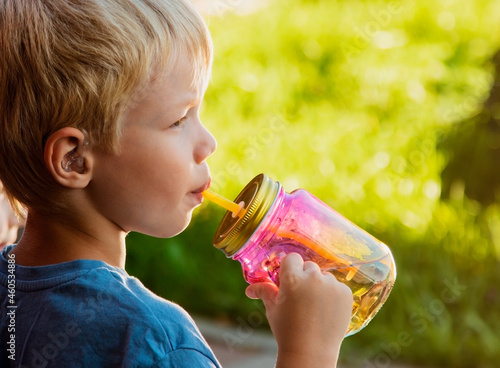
179 122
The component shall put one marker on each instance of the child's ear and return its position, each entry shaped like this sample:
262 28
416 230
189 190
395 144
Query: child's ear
68 157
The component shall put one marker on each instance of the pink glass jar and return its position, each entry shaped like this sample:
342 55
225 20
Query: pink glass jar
276 223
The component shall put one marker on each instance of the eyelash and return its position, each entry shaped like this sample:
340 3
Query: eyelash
179 122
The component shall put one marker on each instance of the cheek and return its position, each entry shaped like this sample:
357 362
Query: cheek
157 155
157 185
144 188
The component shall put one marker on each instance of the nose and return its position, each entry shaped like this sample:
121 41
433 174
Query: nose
206 145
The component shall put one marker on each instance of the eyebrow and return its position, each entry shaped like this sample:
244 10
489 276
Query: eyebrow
190 101
174 110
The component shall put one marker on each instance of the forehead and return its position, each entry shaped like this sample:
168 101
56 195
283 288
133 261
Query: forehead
172 89
180 79
183 72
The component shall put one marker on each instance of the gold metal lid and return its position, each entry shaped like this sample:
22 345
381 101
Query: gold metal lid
258 196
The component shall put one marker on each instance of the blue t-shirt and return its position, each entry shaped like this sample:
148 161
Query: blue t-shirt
86 313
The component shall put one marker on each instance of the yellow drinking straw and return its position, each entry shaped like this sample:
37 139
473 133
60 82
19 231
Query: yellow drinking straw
224 202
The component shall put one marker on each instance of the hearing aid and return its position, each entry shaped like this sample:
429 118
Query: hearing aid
74 160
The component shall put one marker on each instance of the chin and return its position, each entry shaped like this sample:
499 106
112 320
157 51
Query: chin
173 229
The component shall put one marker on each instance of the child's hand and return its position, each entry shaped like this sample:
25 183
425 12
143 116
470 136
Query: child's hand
8 221
309 314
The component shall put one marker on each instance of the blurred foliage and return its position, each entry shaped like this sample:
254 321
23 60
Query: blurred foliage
374 107
474 145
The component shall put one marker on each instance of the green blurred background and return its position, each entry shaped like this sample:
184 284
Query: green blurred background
386 110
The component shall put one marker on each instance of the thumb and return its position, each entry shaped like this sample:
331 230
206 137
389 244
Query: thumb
266 291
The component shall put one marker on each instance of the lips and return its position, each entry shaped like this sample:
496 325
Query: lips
202 188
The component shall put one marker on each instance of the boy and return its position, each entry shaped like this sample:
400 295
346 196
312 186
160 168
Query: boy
100 136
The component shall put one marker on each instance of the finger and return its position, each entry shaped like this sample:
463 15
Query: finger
311 266
265 291
292 263
11 235
4 225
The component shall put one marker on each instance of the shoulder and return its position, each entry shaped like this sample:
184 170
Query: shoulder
112 299
103 316
148 325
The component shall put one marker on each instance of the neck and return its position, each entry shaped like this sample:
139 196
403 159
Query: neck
49 240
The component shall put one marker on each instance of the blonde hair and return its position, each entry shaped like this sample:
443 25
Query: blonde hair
80 63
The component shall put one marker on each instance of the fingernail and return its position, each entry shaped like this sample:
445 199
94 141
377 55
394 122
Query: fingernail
250 293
